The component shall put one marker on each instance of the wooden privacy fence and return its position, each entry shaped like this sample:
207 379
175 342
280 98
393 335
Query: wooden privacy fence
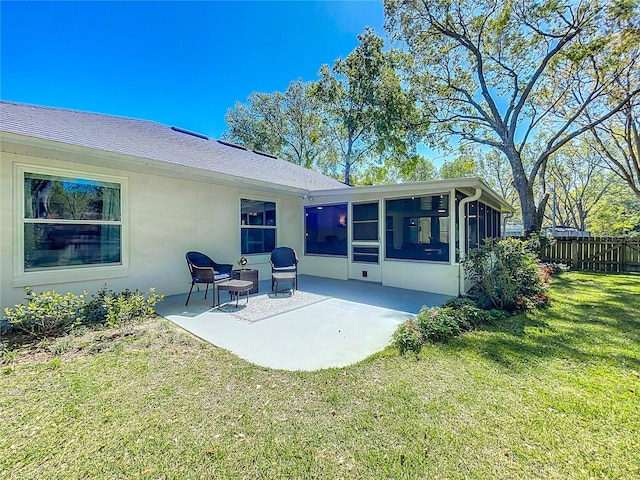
595 254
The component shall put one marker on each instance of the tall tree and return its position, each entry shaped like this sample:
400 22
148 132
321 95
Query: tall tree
365 108
495 169
578 185
460 167
287 124
415 168
499 73
617 139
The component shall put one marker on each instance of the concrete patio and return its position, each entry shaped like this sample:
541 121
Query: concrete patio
337 323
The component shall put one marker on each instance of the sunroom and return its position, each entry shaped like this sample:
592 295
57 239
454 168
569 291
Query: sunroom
407 235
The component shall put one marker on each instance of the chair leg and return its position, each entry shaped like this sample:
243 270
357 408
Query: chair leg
189 296
206 290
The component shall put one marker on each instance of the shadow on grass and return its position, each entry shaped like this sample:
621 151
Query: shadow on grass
593 318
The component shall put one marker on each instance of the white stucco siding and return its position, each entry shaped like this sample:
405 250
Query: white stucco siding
163 218
427 277
325 266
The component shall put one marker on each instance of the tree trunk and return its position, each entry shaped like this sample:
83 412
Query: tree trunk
347 172
531 217
347 162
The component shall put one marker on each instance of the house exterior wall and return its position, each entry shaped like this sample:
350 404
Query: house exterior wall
429 276
163 218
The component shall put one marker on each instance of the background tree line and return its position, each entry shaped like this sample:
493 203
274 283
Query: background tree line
540 98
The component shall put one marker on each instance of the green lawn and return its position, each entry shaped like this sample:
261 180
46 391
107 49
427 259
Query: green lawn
552 395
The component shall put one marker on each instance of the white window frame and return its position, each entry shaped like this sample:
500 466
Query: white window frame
253 198
71 273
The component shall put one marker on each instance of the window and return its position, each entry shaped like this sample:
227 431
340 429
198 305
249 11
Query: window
71 222
417 228
364 224
326 230
257 226
365 221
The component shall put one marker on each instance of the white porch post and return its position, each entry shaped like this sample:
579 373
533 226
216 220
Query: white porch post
462 234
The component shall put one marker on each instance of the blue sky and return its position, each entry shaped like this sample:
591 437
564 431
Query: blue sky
178 63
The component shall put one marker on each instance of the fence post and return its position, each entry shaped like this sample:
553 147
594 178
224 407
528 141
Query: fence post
574 254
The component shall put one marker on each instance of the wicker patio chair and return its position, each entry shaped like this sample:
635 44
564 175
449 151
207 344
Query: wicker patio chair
284 267
204 270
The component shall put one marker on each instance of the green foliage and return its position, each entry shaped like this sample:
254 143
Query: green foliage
368 113
287 124
46 314
505 274
460 167
50 314
516 76
470 314
439 324
414 168
118 309
407 337
618 215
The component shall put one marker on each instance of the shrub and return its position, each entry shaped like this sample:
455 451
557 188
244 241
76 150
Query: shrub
438 324
504 273
407 337
118 309
46 314
469 312
95 310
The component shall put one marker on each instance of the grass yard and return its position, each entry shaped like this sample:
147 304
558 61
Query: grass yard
550 395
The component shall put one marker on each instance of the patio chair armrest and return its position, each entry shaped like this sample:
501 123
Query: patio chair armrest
203 274
224 268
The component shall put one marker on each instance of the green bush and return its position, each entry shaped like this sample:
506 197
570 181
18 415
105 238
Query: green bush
118 309
439 324
469 312
46 314
505 274
49 313
407 337
95 310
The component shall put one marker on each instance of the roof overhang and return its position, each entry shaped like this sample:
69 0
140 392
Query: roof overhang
465 185
94 157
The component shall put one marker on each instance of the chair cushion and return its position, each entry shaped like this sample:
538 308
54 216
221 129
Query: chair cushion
292 268
221 276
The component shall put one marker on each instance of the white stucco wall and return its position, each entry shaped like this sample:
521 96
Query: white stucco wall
428 277
165 217
324 266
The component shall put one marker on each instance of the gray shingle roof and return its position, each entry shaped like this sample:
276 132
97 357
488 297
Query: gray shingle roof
151 140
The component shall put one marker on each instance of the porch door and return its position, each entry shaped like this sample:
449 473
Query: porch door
364 254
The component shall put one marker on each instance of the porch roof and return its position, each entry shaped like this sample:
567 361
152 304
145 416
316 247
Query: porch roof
466 185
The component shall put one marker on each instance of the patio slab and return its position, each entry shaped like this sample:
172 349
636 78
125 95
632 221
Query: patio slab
351 321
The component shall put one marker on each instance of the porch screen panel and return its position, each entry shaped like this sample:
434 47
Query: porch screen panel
326 230
365 221
417 228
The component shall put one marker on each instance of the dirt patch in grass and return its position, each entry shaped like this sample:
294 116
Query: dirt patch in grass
21 349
